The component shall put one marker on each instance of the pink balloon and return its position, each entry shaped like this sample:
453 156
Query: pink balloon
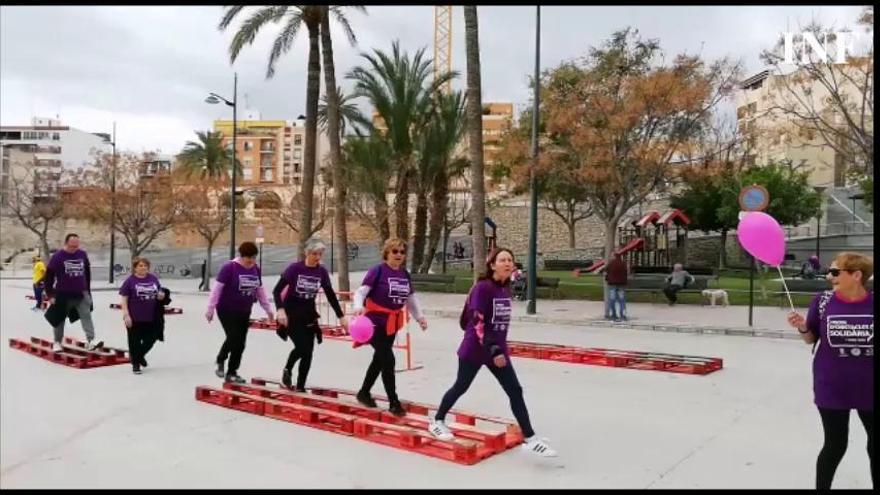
762 237
361 329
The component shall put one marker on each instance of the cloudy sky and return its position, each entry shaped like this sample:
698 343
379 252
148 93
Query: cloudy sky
149 68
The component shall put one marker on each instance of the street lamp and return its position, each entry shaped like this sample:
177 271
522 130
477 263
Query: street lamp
113 208
819 190
213 99
533 188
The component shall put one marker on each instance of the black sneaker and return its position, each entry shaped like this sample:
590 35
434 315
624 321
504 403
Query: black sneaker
144 363
136 370
299 389
285 378
365 399
235 378
220 371
397 409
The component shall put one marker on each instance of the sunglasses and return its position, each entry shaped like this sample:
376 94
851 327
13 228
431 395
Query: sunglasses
836 271
396 251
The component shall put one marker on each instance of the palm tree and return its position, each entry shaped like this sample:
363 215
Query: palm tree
350 116
368 170
333 133
206 158
475 137
294 16
398 88
447 130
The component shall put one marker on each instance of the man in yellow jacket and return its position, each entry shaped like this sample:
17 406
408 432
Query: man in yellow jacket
39 274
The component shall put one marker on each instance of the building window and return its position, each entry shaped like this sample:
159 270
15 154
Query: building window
298 140
56 136
248 146
296 167
248 174
297 154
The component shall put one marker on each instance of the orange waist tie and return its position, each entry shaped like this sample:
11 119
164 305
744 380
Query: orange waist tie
396 318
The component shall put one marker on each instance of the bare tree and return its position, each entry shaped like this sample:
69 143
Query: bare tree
33 200
204 210
292 216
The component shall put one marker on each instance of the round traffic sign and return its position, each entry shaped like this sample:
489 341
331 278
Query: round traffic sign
754 198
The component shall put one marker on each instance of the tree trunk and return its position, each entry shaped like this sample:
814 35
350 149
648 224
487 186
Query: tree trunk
475 138
722 255
333 135
208 267
571 236
309 166
401 202
439 197
44 243
381 208
418 251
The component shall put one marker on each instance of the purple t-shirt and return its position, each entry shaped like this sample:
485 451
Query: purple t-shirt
239 287
70 271
492 301
390 290
305 281
843 366
141 294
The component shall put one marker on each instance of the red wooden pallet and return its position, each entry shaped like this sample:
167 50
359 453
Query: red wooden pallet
74 355
168 310
655 361
326 410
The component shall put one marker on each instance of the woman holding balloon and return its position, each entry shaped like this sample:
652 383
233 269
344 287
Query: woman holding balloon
296 314
841 323
382 297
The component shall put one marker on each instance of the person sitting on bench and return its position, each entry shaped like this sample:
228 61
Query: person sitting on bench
677 280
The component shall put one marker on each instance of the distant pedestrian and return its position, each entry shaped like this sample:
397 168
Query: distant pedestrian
39 275
616 278
677 280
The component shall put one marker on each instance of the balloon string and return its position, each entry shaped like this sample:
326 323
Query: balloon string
785 286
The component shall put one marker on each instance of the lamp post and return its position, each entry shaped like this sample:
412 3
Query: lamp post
260 239
819 190
113 208
213 99
531 307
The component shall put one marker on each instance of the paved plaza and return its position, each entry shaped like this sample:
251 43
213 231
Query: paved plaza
750 425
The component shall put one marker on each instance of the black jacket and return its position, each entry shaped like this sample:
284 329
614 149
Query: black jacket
55 313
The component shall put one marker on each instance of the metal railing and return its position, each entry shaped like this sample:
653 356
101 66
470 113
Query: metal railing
841 228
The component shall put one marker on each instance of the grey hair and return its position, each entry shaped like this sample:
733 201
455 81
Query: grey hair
313 245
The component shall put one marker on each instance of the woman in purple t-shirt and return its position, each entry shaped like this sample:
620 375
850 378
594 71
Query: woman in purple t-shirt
141 293
297 316
487 316
841 323
238 285
385 291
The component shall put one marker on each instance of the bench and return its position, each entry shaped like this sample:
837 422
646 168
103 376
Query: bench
657 270
655 285
566 265
430 281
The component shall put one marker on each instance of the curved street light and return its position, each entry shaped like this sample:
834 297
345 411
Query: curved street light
213 99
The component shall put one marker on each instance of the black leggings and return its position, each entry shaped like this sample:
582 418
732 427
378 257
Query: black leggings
383 362
141 337
302 333
506 376
236 327
835 422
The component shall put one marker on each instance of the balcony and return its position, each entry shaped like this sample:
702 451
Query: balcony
267 147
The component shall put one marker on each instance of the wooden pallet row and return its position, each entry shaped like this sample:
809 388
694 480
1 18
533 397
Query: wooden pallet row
74 354
336 411
653 361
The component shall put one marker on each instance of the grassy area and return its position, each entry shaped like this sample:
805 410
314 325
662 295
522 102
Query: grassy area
589 287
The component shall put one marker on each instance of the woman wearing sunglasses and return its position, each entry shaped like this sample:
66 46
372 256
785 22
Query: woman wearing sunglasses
841 323
382 296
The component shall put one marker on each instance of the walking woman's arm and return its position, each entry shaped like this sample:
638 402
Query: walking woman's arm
264 302
276 292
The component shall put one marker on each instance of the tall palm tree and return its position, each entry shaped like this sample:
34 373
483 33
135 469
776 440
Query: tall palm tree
475 137
333 133
350 116
368 170
439 164
294 16
206 158
399 89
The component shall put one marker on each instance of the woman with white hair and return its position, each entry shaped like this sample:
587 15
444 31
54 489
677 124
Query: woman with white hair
296 313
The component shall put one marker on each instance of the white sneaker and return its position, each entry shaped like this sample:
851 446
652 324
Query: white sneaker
440 430
92 345
56 347
538 447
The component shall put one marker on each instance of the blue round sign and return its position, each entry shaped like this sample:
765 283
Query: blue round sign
753 198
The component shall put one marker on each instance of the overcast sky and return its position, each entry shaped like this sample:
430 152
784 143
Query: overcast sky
149 68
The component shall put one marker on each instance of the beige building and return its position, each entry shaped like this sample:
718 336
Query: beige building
773 135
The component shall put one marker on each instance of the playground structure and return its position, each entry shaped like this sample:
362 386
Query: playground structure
646 241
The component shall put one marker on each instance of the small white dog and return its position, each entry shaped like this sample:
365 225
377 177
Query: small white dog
714 294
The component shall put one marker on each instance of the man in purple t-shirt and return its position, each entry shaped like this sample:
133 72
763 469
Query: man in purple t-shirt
841 325
68 284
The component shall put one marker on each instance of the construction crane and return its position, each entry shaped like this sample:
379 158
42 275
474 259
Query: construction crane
443 44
